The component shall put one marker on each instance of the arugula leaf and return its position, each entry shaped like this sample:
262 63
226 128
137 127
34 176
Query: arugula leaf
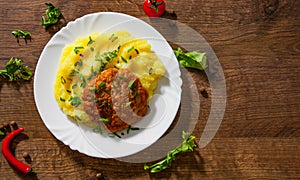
187 145
53 13
193 59
15 70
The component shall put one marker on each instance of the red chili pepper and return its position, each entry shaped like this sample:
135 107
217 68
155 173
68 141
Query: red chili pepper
24 168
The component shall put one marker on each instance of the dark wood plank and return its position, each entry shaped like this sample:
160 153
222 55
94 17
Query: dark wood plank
258 45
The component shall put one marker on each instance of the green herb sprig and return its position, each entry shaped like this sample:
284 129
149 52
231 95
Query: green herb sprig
193 59
75 101
105 120
15 70
21 34
91 41
98 129
53 13
77 49
113 37
187 145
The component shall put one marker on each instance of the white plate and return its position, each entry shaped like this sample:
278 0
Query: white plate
164 104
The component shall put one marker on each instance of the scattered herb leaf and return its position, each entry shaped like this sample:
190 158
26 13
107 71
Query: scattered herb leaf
187 145
53 13
92 89
122 77
90 41
98 129
74 86
103 103
127 104
130 49
21 34
83 81
63 80
114 135
15 70
74 72
112 38
76 49
93 73
150 71
77 118
105 58
193 59
108 106
130 85
75 101
101 85
105 120
132 128
123 59
78 63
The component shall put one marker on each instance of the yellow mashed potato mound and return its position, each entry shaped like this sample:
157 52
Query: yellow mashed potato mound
84 59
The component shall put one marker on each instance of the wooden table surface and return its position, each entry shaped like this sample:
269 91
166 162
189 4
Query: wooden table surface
258 45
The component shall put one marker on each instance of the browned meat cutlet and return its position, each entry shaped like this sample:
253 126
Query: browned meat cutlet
115 98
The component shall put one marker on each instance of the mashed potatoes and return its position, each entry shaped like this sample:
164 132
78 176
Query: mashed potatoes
83 60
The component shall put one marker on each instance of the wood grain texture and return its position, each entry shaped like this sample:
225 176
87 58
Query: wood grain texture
258 45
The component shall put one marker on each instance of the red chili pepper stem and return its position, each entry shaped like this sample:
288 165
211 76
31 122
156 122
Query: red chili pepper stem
24 168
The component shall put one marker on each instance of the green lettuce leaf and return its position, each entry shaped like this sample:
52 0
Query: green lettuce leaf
193 59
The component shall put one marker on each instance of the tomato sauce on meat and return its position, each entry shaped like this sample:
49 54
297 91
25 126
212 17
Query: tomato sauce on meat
115 98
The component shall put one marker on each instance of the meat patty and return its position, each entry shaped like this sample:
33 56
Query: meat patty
115 98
